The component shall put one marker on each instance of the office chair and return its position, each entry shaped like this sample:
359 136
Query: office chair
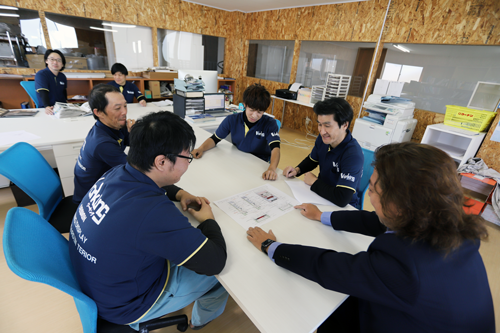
367 173
25 166
29 86
35 251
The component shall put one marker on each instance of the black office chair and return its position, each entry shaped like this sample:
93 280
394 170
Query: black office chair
36 251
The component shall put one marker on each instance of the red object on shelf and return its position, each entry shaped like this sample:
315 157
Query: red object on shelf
478 192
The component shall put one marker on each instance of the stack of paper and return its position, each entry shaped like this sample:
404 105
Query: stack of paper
68 110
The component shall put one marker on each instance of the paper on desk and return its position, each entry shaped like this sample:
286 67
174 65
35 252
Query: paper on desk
9 138
257 206
166 102
295 87
302 192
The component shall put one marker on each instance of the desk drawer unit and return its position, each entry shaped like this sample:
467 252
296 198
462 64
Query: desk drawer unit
66 156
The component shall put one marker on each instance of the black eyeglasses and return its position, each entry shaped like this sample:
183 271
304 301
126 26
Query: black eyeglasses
189 158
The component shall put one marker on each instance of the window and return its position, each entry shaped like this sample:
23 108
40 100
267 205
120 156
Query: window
401 73
185 50
21 37
318 59
440 75
270 60
97 45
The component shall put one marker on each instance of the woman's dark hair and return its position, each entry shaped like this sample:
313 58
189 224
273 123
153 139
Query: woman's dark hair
159 133
338 107
117 67
256 97
422 197
97 97
49 51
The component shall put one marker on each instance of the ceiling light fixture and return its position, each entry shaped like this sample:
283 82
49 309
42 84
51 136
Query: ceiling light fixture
118 25
9 15
102 29
399 47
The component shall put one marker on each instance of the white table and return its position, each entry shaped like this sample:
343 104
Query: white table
275 299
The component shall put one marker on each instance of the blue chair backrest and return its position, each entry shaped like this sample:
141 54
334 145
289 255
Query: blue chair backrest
27 168
36 251
367 173
29 86
279 124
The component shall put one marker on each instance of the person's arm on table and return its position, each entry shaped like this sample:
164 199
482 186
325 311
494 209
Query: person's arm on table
208 144
140 97
307 164
270 173
341 196
211 258
361 222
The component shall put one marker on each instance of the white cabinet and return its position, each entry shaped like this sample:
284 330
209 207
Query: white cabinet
66 156
459 144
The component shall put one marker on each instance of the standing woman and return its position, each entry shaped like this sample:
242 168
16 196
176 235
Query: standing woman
50 84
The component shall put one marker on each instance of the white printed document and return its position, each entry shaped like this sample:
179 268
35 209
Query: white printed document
9 138
257 206
302 192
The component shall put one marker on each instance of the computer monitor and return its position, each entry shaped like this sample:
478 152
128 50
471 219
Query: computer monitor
215 102
208 77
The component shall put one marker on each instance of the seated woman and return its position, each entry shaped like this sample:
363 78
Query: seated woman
251 131
50 84
128 89
422 272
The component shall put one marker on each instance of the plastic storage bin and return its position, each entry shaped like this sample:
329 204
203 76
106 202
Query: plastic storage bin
469 119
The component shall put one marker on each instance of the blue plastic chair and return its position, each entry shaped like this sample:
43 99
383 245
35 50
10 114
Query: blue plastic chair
29 86
36 252
367 173
23 165
279 124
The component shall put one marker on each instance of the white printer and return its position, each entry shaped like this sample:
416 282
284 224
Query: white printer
390 120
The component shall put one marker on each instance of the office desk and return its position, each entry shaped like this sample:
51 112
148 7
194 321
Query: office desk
63 136
275 299
310 105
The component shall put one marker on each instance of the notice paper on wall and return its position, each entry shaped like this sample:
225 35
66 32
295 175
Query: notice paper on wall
496 134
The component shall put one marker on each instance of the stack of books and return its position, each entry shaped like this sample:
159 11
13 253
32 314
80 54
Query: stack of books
200 118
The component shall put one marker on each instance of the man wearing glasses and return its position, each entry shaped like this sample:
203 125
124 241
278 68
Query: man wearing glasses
50 83
134 253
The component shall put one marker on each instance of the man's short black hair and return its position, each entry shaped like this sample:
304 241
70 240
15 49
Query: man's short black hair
159 133
256 97
97 97
117 67
338 107
48 52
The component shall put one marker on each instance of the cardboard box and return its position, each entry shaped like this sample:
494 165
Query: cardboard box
35 60
147 93
76 63
478 191
154 86
304 95
160 75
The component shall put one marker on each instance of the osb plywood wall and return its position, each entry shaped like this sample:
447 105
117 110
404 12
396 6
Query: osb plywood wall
473 22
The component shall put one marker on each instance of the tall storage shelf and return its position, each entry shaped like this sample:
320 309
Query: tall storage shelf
457 143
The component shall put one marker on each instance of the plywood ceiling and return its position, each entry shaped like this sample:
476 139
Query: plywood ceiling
247 6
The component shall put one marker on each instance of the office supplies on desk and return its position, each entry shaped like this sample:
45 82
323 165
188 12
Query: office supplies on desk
67 110
5 113
200 118
291 92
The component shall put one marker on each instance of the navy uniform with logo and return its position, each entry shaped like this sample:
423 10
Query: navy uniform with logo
256 140
124 257
341 166
129 90
102 149
55 85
